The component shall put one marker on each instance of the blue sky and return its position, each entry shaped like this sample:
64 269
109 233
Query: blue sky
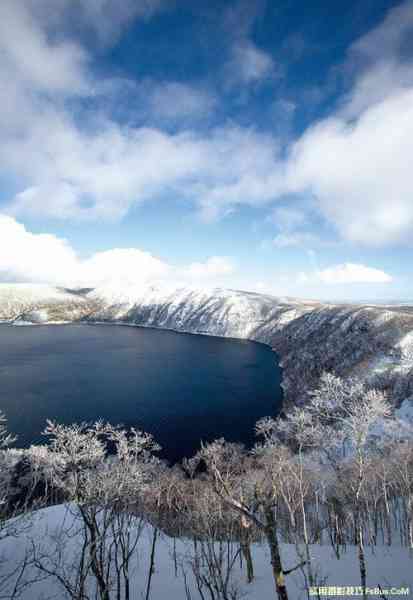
259 145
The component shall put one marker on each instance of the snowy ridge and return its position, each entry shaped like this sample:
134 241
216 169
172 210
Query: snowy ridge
370 341
220 312
37 303
20 294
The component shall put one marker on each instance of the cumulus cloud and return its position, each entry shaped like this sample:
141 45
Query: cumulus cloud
347 273
46 258
33 257
360 172
122 265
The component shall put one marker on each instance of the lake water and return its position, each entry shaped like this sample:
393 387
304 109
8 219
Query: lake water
182 388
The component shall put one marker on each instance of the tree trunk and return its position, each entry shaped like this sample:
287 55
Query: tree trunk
246 548
246 552
305 530
90 522
362 562
151 564
277 570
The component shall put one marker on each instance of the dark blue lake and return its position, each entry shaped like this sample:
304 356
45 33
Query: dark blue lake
182 388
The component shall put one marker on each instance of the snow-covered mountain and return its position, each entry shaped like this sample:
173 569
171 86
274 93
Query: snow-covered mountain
37 303
371 341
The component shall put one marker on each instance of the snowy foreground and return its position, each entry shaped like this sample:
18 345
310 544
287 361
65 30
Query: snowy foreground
367 341
54 537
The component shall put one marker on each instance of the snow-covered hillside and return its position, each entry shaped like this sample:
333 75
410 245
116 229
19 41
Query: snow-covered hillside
37 303
371 341
51 543
220 312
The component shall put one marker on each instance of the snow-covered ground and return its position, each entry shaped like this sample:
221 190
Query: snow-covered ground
58 537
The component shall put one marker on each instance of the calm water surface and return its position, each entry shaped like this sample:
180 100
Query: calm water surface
182 388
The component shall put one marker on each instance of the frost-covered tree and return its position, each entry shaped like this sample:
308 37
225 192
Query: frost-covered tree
344 420
251 484
300 430
394 466
14 521
215 548
105 489
6 438
99 463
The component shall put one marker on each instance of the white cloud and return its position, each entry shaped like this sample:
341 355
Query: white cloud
108 17
294 228
360 172
46 258
354 167
296 238
33 61
98 175
122 265
249 64
173 100
213 267
356 163
70 166
288 218
36 258
384 80
105 18
377 58
388 37
348 273
101 174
